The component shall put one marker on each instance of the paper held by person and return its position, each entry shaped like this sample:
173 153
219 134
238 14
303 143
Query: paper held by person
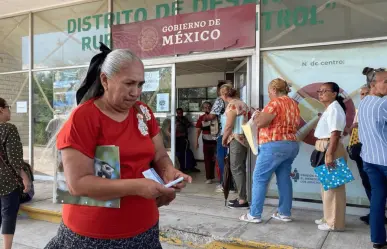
250 130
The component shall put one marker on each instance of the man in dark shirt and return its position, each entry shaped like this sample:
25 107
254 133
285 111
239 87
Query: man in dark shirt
183 151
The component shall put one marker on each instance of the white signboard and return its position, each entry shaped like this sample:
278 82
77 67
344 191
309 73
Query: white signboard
21 107
162 102
306 70
152 81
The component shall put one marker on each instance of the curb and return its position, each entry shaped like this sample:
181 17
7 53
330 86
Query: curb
40 214
167 235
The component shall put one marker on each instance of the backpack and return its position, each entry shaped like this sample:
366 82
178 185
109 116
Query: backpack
215 126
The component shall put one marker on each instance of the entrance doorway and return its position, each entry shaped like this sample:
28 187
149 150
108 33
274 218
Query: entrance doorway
187 85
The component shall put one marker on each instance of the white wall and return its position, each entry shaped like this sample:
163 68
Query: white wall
198 80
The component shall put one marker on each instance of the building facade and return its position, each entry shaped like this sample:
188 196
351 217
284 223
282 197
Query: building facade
46 47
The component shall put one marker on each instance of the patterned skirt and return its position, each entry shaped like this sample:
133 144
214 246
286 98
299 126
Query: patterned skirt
67 239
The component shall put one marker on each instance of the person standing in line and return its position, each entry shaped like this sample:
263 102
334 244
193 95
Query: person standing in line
373 136
278 147
217 110
355 153
235 116
209 142
354 149
13 177
328 133
183 151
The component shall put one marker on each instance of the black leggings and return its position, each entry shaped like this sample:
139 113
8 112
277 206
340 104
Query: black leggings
9 205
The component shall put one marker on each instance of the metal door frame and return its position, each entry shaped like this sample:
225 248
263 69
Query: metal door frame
249 77
172 113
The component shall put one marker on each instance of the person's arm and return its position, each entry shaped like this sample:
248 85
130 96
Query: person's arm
263 119
81 181
199 126
14 150
266 116
336 123
231 116
215 110
384 109
332 147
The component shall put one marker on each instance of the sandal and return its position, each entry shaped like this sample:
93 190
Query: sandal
250 219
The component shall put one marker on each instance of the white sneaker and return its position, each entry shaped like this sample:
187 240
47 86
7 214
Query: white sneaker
280 217
320 221
219 189
325 227
209 181
250 219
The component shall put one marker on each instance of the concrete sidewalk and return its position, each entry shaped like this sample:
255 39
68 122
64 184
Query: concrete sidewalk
204 222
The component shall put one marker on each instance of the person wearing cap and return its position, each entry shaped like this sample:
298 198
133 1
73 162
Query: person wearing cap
109 113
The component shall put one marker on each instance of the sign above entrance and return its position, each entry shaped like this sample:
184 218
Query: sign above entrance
219 29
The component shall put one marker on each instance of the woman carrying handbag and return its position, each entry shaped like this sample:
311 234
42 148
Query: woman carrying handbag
13 177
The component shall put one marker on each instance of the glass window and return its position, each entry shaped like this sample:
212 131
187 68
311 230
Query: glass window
70 36
14 89
191 99
205 5
156 92
126 11
54 99
299 21
14 43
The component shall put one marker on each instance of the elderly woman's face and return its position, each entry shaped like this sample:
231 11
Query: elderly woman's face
124 88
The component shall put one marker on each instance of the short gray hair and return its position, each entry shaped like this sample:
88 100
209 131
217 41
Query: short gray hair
111 66
116 59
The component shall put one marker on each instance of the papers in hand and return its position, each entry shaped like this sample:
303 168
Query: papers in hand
152 175
250 130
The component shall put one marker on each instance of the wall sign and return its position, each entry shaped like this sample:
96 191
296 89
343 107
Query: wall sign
21 107
187 33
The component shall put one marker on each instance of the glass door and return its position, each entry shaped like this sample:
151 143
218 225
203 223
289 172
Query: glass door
159 93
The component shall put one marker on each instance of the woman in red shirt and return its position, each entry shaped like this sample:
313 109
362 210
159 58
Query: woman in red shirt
109 115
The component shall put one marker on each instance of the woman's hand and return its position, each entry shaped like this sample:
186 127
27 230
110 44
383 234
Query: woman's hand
149 189
224 142
164 200
26 181
329 160
172 174
197 145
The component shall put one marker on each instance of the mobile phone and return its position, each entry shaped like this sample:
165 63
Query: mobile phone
178 180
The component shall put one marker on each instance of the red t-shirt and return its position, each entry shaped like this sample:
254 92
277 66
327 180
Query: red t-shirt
205 126
87 128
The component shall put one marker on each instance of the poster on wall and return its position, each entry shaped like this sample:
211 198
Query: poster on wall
64 95
21 107
152 81
306 70
162 102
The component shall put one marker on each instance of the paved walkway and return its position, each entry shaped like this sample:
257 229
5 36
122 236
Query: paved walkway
198 220
35 234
